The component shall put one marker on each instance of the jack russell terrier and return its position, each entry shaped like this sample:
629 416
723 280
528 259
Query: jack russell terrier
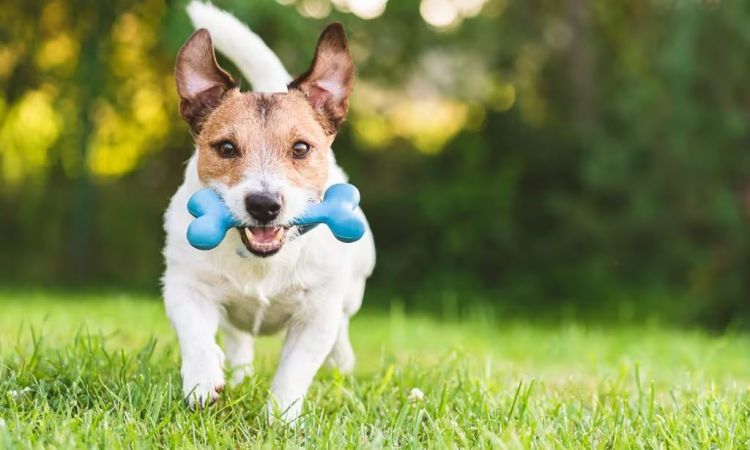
267 153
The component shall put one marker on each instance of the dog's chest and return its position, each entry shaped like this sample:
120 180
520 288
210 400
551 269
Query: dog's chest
262 302
261 314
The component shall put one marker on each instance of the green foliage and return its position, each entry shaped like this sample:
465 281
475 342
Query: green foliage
556 153
103 371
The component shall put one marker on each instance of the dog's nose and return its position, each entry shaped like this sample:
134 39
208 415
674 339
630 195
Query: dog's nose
263 207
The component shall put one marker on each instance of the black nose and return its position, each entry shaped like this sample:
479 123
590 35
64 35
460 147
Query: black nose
263 207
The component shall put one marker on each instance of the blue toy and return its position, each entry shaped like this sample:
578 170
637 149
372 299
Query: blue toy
212 220
337 210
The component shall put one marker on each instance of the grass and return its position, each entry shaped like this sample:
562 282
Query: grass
102 372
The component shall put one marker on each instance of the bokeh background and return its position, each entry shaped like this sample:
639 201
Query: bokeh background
543 158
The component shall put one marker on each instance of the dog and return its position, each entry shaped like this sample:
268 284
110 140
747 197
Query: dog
268 154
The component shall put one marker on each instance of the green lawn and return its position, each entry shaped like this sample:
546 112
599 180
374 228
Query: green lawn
102 371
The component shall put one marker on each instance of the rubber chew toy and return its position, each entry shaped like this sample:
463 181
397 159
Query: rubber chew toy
337 210
212 220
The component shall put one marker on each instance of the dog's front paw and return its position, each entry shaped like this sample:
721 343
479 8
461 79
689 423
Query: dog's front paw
202 395
203 379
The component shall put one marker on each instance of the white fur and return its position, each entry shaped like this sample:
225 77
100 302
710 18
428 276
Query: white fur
310 288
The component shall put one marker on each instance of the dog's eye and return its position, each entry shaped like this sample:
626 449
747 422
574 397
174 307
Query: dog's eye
226 149
300 149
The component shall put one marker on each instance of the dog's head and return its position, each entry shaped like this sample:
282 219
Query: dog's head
266 154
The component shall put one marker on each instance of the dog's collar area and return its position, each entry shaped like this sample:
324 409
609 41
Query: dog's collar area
302 229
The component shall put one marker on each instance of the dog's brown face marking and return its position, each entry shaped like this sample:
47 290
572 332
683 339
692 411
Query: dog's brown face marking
265 131
263 128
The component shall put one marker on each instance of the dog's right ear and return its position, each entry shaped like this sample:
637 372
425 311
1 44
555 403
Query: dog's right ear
328 82
201 83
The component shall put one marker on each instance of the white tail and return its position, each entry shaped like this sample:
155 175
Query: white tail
258 63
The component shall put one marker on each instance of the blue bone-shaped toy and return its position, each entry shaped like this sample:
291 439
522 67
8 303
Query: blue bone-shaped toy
337 210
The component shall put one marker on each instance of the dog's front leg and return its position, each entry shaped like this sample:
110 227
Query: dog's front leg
196 320
308 341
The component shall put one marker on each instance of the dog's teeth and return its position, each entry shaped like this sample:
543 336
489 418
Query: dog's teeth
261 242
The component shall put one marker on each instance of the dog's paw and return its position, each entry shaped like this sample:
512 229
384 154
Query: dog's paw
202 395
284 410
238 374
203 380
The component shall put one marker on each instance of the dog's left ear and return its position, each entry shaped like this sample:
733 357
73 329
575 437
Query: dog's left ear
329 80
201 82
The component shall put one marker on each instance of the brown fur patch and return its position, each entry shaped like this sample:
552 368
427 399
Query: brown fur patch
264 128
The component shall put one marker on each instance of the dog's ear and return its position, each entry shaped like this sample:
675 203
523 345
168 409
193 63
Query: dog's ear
201 83
329 80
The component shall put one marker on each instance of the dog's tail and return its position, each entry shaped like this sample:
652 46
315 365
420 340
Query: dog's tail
258 63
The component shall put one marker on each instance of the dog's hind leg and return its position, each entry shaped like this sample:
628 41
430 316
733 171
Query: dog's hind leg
239 351
353 299
342 355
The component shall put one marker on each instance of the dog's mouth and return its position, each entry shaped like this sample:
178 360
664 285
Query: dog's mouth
263 241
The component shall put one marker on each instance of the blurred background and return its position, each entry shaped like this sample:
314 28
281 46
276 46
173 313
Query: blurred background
543 158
